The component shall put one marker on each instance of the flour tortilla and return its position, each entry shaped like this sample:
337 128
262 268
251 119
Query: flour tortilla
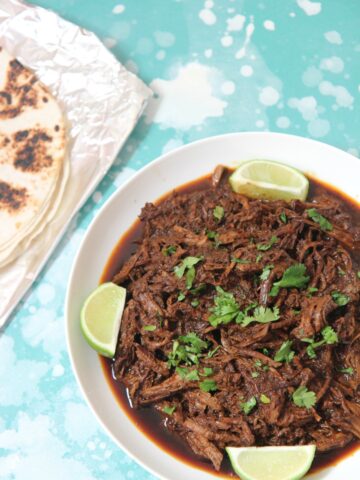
33 163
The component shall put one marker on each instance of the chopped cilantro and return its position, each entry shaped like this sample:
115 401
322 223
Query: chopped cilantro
169 250
255 374
311 291
283 217
285 354
265 351
169 410
266 368
218 212
266 246
264 399
199 289
246 407
259 257
195 303
186 349
358 274
329 337
211 235
207 372
340 298
208 385
348 370
149 328
240 260
302 397
322 221
225 310
293 276
181 297
341 272
188 375
266 272
258 363
212 352
262 315
187 265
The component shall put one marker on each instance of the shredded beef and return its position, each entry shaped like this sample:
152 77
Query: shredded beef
233 247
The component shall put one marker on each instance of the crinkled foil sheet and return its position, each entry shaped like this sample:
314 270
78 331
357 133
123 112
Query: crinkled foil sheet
101 101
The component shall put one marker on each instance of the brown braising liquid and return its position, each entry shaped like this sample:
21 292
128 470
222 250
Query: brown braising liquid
147 419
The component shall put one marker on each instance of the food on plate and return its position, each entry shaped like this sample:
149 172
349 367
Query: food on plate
33 166
240 326
271 463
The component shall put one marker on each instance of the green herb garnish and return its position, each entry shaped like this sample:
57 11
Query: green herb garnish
149 328
329 337
259 257
240 260
348 370
283 217
340 298
208 385
169 250
218 212
188 375
293 277
207 372
188 265
266 272
264 398
266 246
246 407
169 410
186 349
181 297
285 354
255 374
302 397
212 352
262 315
225 310
322 221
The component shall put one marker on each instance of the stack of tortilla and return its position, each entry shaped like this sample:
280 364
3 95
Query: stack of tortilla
34 167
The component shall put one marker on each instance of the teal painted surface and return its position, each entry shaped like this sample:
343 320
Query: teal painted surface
299 73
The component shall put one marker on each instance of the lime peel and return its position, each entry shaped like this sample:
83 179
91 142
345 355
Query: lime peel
101 317
272 463
269 180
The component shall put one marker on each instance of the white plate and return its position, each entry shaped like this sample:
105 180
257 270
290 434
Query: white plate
116 216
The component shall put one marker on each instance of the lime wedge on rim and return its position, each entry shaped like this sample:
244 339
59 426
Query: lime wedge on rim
101 317
269 180
271 463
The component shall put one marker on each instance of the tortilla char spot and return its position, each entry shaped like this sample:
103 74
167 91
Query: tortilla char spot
31 150
6 96
12 198
57 128
45 100
6 141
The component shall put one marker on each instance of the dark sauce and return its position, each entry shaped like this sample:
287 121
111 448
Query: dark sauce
150 422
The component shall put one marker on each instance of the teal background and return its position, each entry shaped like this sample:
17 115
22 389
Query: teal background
301 83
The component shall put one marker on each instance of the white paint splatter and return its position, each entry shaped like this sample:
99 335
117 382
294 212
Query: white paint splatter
332 64
118 9
342 96
246 70
109 42
164 39
207 16
228 88
269 25
144 46
236 23
292 14
122 176
259 123
172 144
208 53
310 8
186 100
307 106
250 28
160 55
283 122
227 40
269 96
312 77
58 370
45 293
318 128
333 37
79 424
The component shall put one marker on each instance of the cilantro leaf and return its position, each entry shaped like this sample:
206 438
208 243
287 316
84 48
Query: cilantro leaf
266 246
302 397
169 250
340 298
149 328
264 399
169 410
266 272
181 297
186 349
212 352
186 263
259 257
293 276
207 372
225 310
188 375
218 212
246 407
262 315
283 217
322 221
208 385
195 303
285 354
329 335
358 274
255 374
240 260
348 370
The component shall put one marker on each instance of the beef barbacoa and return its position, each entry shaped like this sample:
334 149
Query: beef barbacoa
241 324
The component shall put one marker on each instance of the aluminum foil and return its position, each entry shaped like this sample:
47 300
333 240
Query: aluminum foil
102 102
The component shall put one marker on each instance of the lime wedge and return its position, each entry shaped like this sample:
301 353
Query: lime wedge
271 463
101 317
269 180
